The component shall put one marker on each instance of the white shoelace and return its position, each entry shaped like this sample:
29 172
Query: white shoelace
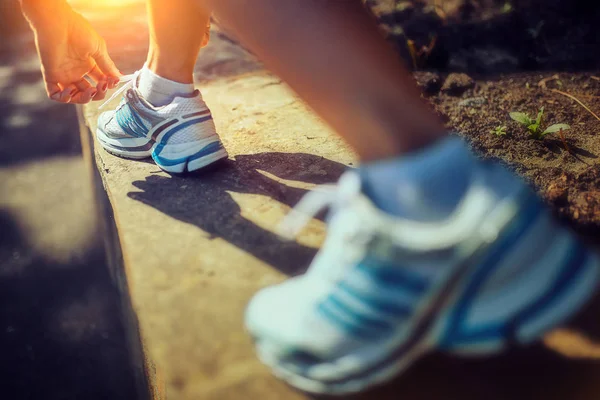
316 200
128 82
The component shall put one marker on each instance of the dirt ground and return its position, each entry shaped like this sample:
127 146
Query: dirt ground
490 58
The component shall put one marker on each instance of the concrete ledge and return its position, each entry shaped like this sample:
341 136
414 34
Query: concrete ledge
141 366
197 247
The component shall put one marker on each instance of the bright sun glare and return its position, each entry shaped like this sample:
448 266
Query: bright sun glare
102 3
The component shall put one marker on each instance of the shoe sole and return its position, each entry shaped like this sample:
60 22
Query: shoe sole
197 155
377 377
430 333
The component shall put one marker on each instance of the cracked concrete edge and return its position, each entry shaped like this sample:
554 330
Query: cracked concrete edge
149 382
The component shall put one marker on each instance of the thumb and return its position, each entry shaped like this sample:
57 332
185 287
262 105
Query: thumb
105 63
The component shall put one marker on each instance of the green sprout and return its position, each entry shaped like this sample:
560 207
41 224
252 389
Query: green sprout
500 130
506 8
535 126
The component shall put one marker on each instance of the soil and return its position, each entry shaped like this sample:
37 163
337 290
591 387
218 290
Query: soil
490 58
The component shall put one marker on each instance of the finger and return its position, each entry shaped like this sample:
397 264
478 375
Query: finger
84 96
58 94
97 75
101 88
110 81
99 96
53 90
105 63
100 80
65 95
83 85
113 82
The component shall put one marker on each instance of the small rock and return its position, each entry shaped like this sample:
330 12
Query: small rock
473 102
457 83
428 82
557 193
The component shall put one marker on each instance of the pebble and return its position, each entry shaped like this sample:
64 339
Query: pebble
557 193
473 102
428 82
457 83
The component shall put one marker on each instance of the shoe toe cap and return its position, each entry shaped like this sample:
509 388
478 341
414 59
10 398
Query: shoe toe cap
283 319
272 309
105 118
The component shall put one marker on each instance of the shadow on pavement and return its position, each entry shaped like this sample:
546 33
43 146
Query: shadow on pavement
210 207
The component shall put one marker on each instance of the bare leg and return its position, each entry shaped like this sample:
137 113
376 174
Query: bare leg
333 55
178 29
177 32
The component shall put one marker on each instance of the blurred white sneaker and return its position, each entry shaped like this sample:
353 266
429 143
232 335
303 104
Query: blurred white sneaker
383 290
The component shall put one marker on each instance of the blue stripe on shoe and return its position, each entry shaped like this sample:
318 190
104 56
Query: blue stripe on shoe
350 327
393 275
205 151
572 265
529 213
139 126
370 323
130 122
176 129
386 307
121 120
577 258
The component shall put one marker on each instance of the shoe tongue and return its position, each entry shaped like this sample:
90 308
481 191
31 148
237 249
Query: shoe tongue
344 245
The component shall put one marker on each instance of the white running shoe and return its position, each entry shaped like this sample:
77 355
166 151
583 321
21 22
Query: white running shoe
383 291
179 136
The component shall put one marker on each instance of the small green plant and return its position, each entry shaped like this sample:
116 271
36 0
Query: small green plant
534 126
500 130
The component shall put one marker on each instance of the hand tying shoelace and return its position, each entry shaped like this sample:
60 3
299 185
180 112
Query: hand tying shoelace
128 81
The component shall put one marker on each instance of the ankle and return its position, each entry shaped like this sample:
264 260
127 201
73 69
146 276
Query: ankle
425 185
160 91
176 71
400 129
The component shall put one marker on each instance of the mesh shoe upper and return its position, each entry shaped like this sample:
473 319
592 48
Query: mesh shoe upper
134 117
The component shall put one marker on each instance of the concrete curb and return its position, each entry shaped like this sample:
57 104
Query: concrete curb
148 384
